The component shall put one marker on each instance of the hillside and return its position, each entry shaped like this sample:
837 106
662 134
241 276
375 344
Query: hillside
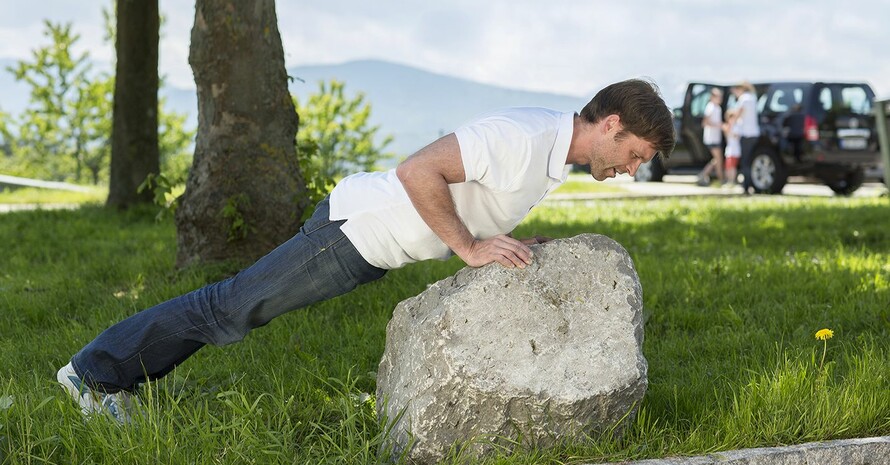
413 105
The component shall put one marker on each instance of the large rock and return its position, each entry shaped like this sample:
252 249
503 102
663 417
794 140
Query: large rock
492 356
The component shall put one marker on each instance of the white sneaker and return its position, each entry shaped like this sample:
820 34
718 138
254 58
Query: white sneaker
120 405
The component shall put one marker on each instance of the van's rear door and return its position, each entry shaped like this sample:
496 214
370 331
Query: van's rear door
847 131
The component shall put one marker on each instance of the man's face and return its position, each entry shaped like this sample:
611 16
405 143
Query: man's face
613 157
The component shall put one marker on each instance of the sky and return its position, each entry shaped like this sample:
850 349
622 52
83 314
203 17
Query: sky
571 47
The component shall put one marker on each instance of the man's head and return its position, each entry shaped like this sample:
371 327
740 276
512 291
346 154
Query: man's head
624 125
641 110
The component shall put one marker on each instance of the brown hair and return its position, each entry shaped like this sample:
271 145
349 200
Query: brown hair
641 110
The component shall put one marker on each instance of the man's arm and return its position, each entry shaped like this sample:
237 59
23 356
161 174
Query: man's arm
425 176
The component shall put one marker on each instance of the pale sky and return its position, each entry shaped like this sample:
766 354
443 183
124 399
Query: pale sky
571 47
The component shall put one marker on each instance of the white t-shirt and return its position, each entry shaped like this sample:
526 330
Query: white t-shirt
750 126
713 134
512 160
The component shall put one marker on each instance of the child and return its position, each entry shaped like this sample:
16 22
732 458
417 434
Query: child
733 147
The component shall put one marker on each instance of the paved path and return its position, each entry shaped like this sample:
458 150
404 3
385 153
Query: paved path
684 186
15 207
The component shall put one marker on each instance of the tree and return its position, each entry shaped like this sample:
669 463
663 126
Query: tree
339 126
62 133
244 194
134 134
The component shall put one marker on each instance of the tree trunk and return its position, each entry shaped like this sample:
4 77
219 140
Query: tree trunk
134 132
245 194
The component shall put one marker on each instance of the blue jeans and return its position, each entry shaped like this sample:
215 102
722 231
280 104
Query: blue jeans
316 264
747 156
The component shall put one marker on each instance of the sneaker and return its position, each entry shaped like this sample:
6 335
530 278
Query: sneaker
703 181
119 405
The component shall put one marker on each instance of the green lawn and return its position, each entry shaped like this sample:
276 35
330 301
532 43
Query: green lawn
49 196
734 291
578 183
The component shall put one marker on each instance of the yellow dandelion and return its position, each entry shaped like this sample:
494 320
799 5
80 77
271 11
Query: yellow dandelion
824 334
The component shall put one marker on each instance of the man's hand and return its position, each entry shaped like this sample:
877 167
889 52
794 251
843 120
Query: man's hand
509 252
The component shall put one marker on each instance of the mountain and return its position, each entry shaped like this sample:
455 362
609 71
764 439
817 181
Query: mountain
413 105
418 106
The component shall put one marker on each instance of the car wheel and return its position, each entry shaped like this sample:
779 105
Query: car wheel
651 171
849 183
767 172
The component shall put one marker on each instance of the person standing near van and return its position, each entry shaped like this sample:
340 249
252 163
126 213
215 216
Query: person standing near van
749 129
733 148
712 136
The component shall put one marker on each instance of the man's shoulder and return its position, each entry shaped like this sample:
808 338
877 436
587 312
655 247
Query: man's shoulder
527 119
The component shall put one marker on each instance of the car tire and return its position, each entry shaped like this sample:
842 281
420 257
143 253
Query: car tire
849 183
651 171
768 174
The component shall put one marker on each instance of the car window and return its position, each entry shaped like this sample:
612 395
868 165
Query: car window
825 99
782 99
701 93
855 100
761 104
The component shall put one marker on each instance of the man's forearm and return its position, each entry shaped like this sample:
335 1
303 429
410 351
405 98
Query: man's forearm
432 199
425 177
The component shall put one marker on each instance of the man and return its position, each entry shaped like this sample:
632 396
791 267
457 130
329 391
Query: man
462 194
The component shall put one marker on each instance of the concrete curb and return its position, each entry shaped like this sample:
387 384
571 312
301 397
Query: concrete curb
864 451
17 207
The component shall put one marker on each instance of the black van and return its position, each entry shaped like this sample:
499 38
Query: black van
839 140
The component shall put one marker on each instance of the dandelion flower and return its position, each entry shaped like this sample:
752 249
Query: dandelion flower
824 334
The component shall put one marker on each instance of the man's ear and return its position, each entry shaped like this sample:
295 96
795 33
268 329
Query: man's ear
612 122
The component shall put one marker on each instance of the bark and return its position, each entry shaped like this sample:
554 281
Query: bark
134 133
244 150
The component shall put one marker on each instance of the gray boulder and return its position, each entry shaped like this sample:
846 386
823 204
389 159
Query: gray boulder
493 357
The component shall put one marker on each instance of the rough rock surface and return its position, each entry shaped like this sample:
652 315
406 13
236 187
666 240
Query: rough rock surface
491 357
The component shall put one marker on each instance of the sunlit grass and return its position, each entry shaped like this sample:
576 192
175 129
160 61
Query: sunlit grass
33 195
585 184
734 291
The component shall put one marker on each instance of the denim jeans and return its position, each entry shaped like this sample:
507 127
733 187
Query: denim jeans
316 264
747 156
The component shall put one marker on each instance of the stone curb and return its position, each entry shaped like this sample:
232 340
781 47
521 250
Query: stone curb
864 451
17 207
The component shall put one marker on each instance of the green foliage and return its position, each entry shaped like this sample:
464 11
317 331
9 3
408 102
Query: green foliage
64 134
162 188
239 228
339 127
318 184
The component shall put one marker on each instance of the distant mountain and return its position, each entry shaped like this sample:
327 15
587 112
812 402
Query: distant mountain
413 105
417 106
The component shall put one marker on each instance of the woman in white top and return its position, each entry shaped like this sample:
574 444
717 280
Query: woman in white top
749 129
712 136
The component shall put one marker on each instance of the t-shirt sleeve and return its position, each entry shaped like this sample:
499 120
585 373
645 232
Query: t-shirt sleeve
494 150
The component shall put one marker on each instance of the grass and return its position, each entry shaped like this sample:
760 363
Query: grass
33 195
734 291
578 183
